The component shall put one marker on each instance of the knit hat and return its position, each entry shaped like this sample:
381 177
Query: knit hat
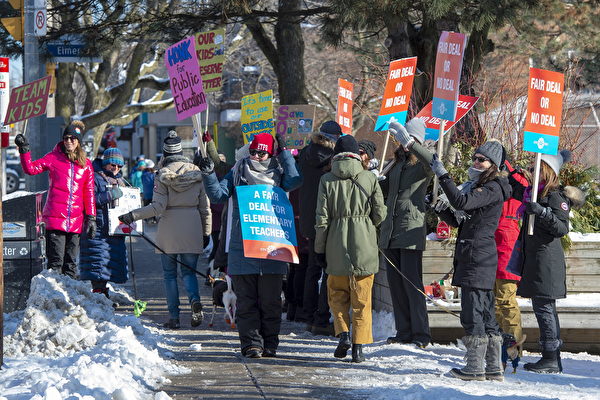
263 142
75 129
368 147
556 161
149 163
112 156
493 150
172 144
346 144
416 128
331 130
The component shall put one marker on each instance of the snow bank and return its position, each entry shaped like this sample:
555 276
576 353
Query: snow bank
69 343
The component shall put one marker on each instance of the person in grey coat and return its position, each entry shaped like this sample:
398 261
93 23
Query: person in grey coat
402 234
257 282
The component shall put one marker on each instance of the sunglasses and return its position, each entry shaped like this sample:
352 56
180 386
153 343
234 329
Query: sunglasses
480 159
258 153
69 139
115 165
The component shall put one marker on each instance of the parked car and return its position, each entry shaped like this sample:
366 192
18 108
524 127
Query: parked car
15 178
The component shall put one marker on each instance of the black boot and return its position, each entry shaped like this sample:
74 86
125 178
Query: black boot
357 355
548 364
343 346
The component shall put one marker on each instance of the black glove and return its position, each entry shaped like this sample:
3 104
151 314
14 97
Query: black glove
127 219
22 143
115 192
205 241
90 222
206 165
321 260
537 209
437 166
280 143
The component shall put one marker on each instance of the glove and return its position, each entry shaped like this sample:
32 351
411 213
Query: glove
437 166
401 135
441 205
321 260
206 165
22 143
206 137
537 209
90 231
280 142
205 241
115 192
127 219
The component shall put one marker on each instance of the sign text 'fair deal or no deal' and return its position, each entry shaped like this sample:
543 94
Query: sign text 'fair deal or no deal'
344 106
184 78
210 50
257 115
396 96
432 124
448 67
544 110
267 223
28 101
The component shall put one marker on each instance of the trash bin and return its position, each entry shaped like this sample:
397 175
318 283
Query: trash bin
24 246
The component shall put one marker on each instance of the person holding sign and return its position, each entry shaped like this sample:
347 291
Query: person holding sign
257 282
103 258
402 234
475 208
180 201
70 205
349 208
543 267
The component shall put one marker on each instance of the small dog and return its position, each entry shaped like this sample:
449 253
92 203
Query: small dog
223 296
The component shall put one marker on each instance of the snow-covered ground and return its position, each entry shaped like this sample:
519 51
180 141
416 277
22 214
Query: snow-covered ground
55 350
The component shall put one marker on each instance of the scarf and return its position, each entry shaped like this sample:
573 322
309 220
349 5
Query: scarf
527 199
250 172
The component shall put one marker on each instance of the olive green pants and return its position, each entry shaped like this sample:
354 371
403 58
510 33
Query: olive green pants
356 292
508 314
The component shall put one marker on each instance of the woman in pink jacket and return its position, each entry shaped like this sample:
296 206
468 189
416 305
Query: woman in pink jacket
70 201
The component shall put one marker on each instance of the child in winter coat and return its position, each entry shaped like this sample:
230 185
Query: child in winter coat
543 277
349 208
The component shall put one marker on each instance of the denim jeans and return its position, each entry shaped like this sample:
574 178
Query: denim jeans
190 282
547 318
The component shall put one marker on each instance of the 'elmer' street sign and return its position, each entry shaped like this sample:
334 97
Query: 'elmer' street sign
396 97
185 80
432 124
448 66
544 110
210 49
344 106
257 115
267 223
28 101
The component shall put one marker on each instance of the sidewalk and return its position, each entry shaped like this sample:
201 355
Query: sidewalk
218 370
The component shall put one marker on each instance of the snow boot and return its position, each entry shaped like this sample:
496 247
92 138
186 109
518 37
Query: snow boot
197 316
476 348
357 354
559 361
493 364
103 291
548 364
343 346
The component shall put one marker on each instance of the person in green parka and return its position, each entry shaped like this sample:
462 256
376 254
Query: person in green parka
349 208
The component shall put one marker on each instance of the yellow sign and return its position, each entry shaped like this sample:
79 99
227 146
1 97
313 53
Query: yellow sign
210 49
257 114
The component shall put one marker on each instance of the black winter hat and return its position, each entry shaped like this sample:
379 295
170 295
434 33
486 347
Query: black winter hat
346 144
368 147
493 150
331 130
76 129
172 144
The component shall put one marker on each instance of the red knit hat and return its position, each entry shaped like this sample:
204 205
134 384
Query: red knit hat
263 142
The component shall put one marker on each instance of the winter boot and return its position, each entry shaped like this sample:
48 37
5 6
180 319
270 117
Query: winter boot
103 291
343 346
548 364
559 361
493 365
197 315
357 354
476 348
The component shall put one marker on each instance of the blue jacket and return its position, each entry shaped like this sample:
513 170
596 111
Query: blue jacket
103 258
147 184
219 192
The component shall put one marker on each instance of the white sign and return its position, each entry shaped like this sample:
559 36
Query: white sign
130 200
40 19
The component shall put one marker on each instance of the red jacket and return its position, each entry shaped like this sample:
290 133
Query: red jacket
508 231
71 191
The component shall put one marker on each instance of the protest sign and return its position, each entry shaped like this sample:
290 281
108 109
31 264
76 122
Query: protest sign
210 50
28 100
344 106
396 96
267 223
295 124
544 110
432 124
130 200
185 80
448 66
257 114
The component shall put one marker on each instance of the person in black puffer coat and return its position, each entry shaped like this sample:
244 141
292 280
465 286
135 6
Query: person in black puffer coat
475 207
542 266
